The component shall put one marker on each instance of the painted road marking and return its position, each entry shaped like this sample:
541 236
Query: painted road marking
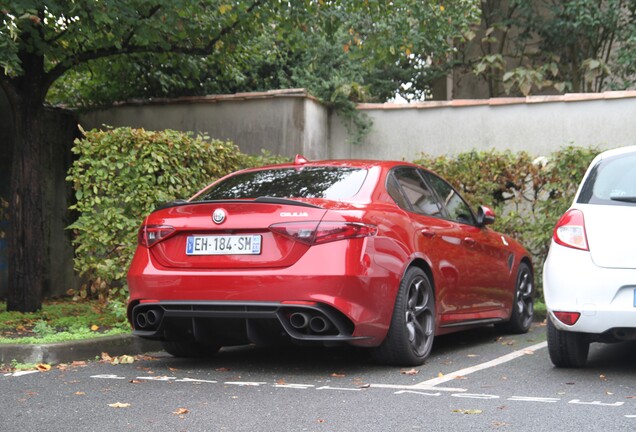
492 363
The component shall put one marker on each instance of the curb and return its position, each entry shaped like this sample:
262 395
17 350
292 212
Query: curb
67 352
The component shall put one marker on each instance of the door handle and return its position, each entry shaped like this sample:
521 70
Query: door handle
427 232
470 242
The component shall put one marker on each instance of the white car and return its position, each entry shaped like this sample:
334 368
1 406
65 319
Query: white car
589 276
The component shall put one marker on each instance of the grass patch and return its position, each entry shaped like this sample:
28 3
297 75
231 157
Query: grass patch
63 320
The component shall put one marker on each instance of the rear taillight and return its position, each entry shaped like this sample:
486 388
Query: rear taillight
570 230
569 318
323 232
149 235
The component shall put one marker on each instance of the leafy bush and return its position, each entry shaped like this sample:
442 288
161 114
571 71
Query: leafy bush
528 195
121 175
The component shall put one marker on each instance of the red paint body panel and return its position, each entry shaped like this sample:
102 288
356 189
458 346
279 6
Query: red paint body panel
473 269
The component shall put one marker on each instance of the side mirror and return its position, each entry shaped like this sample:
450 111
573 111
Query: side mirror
485 216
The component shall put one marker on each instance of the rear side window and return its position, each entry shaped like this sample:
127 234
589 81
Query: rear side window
307 182
611 181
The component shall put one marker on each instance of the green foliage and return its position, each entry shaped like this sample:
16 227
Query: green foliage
343 52
61 320
528 195
121 175
571 45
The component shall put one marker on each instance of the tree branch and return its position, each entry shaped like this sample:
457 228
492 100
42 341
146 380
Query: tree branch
109 51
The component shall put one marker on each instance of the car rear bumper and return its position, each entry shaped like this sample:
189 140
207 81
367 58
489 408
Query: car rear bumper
356 304
605 297
311 322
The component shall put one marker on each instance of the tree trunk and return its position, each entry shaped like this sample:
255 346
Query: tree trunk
26 243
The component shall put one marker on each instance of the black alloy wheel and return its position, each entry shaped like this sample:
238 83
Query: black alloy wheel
410 337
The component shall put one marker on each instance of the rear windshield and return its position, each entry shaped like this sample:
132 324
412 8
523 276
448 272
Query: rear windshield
611 181
307 182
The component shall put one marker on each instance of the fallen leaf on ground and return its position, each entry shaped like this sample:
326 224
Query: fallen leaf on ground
609 393
126 359
602 377
281 381
43 367
106 358
78 363
119 405
338 375
94 327
409 371
135 381
472 355
181 411
467 411
80 393
364 386
528 352
222 369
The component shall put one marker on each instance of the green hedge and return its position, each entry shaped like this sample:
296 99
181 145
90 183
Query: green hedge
121 175
527 194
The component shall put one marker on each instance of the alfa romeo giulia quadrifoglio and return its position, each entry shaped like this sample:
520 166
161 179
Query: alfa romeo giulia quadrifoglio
376 254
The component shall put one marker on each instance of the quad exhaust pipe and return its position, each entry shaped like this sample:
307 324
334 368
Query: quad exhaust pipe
314 324
149 319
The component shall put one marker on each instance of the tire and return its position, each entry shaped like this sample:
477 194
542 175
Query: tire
189 349
567 349
523 304
410 336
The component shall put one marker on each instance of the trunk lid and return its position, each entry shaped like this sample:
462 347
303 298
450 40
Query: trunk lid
231 234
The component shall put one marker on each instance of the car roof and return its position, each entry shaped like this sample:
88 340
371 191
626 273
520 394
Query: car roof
616 152
354 163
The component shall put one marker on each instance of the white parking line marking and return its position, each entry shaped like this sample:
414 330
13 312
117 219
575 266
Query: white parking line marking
598 403
338 388
492 363
416 392
21 373
417 387
295 386
533 399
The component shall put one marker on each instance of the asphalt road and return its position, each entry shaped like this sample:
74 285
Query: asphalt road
478 380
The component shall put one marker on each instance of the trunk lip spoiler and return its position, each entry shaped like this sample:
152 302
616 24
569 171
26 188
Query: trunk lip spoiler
260 200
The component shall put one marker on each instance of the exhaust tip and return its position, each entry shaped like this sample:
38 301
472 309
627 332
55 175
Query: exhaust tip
299 320
141 320
319 324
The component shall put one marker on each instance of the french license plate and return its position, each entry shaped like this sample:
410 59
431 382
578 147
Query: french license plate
224 245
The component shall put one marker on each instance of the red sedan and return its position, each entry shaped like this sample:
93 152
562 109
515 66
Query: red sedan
383 255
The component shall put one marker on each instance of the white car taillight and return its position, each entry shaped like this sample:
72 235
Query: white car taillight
570 230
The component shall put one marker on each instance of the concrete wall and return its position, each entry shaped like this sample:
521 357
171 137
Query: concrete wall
284 122
288 122
537 124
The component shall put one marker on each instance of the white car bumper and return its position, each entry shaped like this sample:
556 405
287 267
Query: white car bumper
605 297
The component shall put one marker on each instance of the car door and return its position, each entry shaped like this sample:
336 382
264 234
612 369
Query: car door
485 257
435 237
